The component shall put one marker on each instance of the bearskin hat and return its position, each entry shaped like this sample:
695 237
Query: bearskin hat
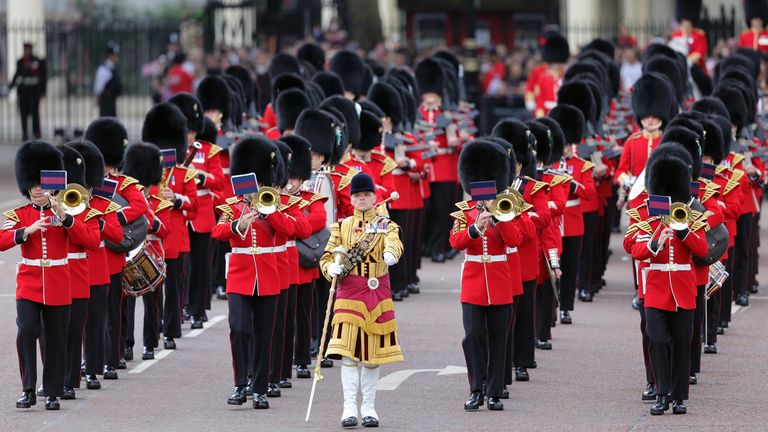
166 127
284 163
750 98
191 108
370 132
690 140
558 139
210 132
315 93
450 58
711 105
738 59
482 160
351 119
510 151
430 77
329 82
283 63
655 49
451 80
313 54
213 94
701 79
725 128
245 79
543 140
755 9
653 96
733 100
285 82
290 103
604 46
578 94
556 49
389 100
74 164
110 137
372 108
94 162
143 162
33 157
688 10
713 142
256 154
301 159
320 130
571 121
523 142
754 56
351 69
342 141
668 68
668 172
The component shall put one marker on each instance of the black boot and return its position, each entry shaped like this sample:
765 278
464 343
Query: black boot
238 396
302 372
285 384
693 380
504 393
349 422
52 404
92 383
650 392
221 293
494 404
26 400
543 344
397 296
169 343
68 393
273 391
661 405
326 363
565 317
413 288
678 407
710 349
260 401
370 422
148 354
474 401
110 373
521 374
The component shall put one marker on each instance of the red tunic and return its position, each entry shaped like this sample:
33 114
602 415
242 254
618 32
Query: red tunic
634 156
182 183
313 206
708 196
535 194
291 205
544 84
42 276
731 196
409 188
380 169
751 190
79 253
159 217
207 163
269 119
757 41
584 189
98 265
637 215
445 163
697 46
130 189
341 175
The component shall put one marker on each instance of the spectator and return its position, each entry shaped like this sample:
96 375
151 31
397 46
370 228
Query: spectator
107 86
494 77
631 68
180 77
30 78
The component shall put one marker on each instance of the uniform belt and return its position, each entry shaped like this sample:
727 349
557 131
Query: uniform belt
398 172
101 244
258 250
670 267
573 202
44 262
290 244
77 255
550 104
225 170
511 250
485 258
153 237
444 151
202 192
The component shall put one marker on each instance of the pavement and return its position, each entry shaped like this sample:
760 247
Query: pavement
590 381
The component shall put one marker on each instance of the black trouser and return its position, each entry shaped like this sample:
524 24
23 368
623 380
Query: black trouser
323 288
670 335
278 338
741 276
251 323
523 329
95 329
646 344
485 337
569 264
398 273
414 245
128 313
290 333
305 295
588 251
698 327
151 330
509 347
29 106
200 272
219 272
107 106
173 297
442 201
713 318
114 305
545 299
726 292
77 316
754 251
54 320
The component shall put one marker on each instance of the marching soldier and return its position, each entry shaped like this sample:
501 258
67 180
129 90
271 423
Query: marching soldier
544 80
693 38
43 294
755 37
166 127
371 244
31 80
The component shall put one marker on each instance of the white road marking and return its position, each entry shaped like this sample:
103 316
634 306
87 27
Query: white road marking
736 309
393 380
146 364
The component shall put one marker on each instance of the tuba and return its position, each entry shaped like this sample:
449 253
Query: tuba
74 200
679 216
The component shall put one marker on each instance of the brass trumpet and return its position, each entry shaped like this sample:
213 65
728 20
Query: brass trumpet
679 216
74 200
507 206
265 200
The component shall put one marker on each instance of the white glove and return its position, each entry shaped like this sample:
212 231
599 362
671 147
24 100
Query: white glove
390 259
530 105
335 269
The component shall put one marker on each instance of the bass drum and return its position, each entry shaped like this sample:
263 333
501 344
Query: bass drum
144 270
134 233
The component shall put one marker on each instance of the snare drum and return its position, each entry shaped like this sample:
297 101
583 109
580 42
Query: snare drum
144 270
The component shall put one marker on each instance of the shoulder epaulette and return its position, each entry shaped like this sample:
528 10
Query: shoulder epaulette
214 150
11 215
737 158
163 204
737 175
634 214
699 224
129 181
527 207
537 186
463 205
189 175
347 179
388 162
112 207
293 200
720 168
560 179
459 215
92 213
637 134
587 166
313 198
226 209
631 230
731 185
232 200
712 189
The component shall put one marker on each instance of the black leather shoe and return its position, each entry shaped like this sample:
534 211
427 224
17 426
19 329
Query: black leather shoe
742 300
661 405
273 391
405 294
349 422
186 315
110 373
68 393
260 401
438 258
678 407
369 421
474 401
26 400
650 392
397 296
725 325
204 317
285 383
710 349
238 396
302 372
169 344
494 404
720 330
148 354
693 380
504 393
326 363
413 288
585 296
521 374
565 318
753 289
128 354
249 387
92 383
451 254
313 350
535 365
543 345
636 302
121 364
221 293
52 404
40 392
196 324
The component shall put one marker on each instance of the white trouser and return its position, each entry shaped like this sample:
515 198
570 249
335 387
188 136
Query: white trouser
350 383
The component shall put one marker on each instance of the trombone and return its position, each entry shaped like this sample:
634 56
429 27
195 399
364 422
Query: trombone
679 216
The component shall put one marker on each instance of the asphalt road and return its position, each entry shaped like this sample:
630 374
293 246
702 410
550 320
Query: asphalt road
591 380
